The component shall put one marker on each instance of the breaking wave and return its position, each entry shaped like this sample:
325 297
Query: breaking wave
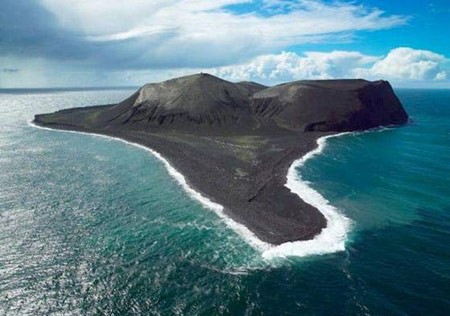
332 238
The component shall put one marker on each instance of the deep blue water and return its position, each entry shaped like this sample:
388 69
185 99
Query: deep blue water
93 226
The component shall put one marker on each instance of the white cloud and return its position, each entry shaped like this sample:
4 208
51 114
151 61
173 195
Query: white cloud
399 64
206 33
408 63
288 66
441 75
99 17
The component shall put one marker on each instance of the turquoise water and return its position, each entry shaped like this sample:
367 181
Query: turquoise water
92 226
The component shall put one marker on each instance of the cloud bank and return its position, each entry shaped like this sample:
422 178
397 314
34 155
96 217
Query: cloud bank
401 63
408 63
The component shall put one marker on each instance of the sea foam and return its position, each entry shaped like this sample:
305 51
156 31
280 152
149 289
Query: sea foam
331 239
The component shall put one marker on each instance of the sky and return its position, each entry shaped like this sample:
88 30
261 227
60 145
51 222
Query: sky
102 43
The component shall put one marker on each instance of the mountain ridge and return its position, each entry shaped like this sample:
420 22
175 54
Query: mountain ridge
202 101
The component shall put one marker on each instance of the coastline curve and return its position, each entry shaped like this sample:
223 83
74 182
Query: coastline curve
331 239
240 229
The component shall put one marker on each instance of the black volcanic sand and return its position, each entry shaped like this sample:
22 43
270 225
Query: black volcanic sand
235 142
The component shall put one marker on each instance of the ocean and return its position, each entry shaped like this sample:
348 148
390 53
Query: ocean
93 226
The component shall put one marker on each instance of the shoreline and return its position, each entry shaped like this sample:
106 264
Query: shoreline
248 236
330 239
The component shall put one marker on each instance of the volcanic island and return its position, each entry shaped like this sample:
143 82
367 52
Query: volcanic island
234 142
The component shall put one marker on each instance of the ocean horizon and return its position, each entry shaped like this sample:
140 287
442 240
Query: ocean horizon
90 224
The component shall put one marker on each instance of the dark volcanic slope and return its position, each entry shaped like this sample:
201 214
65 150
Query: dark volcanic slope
330 105
235 141
185 103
